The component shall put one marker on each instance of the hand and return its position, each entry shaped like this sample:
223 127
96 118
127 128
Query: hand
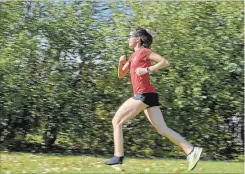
122 59
141 71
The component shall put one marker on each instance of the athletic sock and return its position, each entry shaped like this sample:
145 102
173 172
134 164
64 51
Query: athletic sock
191 150
115 160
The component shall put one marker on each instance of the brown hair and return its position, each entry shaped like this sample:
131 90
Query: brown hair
145 37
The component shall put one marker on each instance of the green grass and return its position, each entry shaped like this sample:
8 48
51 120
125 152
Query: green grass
52 163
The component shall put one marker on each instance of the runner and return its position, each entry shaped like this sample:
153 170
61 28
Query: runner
145 97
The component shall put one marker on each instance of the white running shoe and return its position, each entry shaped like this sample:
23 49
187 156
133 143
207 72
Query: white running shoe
194 157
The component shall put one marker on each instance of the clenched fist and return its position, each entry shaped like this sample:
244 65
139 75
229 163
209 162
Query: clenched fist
141 71
122 59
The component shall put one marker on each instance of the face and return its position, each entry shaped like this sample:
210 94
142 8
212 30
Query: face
133 41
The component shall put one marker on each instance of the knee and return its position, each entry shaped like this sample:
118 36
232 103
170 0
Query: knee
116 122
163 131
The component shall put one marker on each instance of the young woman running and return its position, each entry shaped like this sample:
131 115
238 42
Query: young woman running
145 98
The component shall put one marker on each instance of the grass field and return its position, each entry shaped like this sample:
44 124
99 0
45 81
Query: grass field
52 163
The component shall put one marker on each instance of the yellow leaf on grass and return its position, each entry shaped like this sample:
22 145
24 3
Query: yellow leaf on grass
118 169
175 169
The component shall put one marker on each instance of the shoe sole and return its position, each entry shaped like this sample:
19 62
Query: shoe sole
113 164
199 154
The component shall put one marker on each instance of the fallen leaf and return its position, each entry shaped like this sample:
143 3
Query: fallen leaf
118 169
153 164
175 169
65 169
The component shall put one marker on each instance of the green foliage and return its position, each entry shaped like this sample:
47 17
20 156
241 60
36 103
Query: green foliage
59 85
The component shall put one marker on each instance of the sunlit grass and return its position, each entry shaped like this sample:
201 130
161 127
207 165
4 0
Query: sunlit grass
52 163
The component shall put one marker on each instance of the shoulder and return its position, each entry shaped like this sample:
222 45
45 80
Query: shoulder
145 52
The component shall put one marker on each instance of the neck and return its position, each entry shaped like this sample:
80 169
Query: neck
137 47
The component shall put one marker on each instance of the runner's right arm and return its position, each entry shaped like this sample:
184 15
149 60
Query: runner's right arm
122 69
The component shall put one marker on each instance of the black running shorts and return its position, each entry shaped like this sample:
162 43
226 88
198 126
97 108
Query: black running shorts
150 99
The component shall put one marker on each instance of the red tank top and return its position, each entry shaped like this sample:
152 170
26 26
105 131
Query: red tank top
141 83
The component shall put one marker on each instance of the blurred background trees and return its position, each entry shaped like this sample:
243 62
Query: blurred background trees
58 75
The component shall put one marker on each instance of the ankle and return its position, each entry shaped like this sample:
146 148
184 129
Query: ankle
190 150
118 156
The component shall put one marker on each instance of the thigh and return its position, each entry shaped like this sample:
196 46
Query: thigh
155 116
129 109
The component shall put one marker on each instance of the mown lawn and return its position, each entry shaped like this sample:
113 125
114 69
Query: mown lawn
53 163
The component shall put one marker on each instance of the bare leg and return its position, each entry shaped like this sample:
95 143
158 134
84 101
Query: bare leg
155 116
128 109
